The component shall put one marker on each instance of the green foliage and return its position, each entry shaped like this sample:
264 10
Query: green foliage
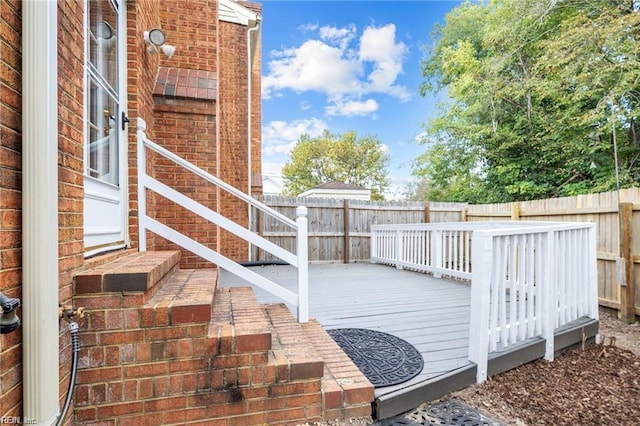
359 161
537 90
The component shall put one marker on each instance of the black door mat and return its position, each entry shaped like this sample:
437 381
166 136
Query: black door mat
452 412
384 359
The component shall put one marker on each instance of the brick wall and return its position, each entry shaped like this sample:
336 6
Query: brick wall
191 26
70 163
185 123
256 110
10 199
187 128
142 67
233 127
184 118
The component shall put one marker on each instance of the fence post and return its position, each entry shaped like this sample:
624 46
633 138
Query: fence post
347 226
141 127
427 213
549 296
627 282
303 264
515 211
482 260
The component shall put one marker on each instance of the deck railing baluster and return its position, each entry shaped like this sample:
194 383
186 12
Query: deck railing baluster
532 276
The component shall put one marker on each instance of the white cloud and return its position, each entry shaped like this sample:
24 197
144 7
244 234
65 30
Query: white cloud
338 36
351 108
279 137
335 63
378 45
314 66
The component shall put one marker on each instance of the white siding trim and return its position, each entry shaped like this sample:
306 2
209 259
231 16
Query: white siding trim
230 11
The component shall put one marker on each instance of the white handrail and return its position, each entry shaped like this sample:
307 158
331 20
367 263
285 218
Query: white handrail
220 183
217 218
147 223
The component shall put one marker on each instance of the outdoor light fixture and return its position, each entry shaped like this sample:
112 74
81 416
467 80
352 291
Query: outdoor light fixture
155 39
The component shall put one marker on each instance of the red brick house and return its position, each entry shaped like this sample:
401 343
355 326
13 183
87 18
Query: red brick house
76 78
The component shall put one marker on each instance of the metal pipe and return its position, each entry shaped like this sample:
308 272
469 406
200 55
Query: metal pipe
40 379
250 55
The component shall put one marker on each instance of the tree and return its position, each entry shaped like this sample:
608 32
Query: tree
359 161
536 90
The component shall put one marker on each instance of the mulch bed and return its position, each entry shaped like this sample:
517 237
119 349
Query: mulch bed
598 385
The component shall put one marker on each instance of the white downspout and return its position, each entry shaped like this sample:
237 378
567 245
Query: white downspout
40 331
255 27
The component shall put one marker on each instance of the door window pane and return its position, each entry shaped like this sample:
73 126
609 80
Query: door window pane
103 135
103 48
102 91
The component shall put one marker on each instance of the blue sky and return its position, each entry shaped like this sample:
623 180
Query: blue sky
346 65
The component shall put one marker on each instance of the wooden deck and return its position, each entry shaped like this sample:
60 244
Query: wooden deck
430 313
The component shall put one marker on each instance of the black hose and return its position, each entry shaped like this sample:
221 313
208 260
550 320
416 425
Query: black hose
75 347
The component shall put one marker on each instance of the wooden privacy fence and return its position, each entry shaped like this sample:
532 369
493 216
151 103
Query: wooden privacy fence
339 230
616 215
617 218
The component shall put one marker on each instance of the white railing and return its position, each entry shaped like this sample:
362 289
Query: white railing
527 278
299 259
437 248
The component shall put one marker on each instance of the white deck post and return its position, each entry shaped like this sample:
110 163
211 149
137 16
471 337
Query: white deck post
592 277
482 261
303 264
373 244
549 296
399 251
436 252
142 172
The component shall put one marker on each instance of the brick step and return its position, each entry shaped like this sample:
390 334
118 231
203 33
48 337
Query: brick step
136 272
293 351
185 297
238 324
346 392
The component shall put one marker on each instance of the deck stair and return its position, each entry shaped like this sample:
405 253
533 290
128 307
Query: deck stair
179 348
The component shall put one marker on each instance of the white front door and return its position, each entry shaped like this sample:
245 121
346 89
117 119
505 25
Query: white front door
105 180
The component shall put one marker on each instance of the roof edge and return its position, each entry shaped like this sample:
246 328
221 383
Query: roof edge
230 11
